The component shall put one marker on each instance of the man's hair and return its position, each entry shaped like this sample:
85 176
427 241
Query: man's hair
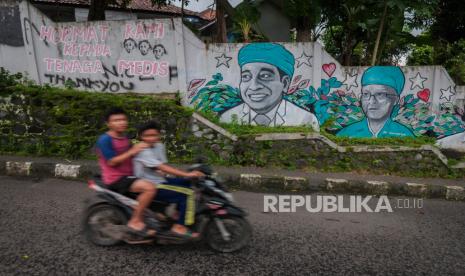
159 46
146 126
114 111
145 41
129 39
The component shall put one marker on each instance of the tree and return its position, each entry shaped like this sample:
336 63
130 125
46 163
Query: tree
97 10
371 32
245 18
449 21
306 16
443 42
421 55
221 21
349 23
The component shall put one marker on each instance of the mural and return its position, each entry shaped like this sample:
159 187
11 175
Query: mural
109 56
268 84
266 74
381 87
379 101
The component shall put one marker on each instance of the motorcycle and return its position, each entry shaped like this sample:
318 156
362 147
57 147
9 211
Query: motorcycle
219 221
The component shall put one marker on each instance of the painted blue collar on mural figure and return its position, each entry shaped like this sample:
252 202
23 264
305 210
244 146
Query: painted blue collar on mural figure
361 130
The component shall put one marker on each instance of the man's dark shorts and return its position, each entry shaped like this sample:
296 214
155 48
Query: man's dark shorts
123 184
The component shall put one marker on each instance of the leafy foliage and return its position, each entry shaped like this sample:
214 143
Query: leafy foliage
353 26
51 121
341 108
7 79
216 97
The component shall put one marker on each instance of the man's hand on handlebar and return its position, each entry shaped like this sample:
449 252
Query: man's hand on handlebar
196 174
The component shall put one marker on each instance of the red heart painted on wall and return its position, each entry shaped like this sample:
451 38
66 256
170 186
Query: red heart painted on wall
329 68
424 95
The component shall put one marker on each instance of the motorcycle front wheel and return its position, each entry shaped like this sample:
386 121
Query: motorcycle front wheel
239 230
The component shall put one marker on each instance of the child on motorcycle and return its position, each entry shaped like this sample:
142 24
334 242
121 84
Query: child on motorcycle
115 155
151 164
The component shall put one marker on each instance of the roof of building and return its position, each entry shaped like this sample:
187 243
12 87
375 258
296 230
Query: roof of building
208 14
136 5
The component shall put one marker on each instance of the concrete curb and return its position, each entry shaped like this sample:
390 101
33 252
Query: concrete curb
255 182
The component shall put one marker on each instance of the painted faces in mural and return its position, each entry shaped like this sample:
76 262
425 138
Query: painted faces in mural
262 85
378 101
144 47
381 87
129 44
159 51
266 71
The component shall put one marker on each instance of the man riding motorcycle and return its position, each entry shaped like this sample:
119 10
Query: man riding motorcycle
150 164
115 153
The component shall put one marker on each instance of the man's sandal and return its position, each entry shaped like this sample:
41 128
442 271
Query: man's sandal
144 233
188 234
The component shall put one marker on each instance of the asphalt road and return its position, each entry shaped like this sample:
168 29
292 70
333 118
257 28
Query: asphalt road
40 234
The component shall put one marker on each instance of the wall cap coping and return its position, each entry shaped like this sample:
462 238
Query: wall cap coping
213 126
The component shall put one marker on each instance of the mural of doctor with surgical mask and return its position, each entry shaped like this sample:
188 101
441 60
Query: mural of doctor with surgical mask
381 88
266 74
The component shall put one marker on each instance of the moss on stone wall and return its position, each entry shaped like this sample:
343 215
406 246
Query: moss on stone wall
49 121
316 155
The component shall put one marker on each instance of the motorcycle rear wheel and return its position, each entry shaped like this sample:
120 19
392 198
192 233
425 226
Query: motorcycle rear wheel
100 216
239 228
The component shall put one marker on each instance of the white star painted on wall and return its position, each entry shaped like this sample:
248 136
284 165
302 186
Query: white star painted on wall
350 80
304 59
447 94
223 60
417 81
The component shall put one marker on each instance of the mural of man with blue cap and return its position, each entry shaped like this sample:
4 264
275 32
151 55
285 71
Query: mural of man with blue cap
266 74
381 87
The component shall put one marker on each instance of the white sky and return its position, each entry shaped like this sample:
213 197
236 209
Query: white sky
201 5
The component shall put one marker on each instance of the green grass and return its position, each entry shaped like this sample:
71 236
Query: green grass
238 129
395 141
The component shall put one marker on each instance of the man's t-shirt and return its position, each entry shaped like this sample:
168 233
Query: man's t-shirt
107 148
147 160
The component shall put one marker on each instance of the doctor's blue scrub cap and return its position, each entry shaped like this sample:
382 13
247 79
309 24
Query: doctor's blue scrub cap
390 76
271 53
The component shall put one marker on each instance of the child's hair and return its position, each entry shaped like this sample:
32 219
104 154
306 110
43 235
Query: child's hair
146 126
114 111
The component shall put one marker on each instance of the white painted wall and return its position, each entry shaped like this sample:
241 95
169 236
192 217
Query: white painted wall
14 65
46 55
190 64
